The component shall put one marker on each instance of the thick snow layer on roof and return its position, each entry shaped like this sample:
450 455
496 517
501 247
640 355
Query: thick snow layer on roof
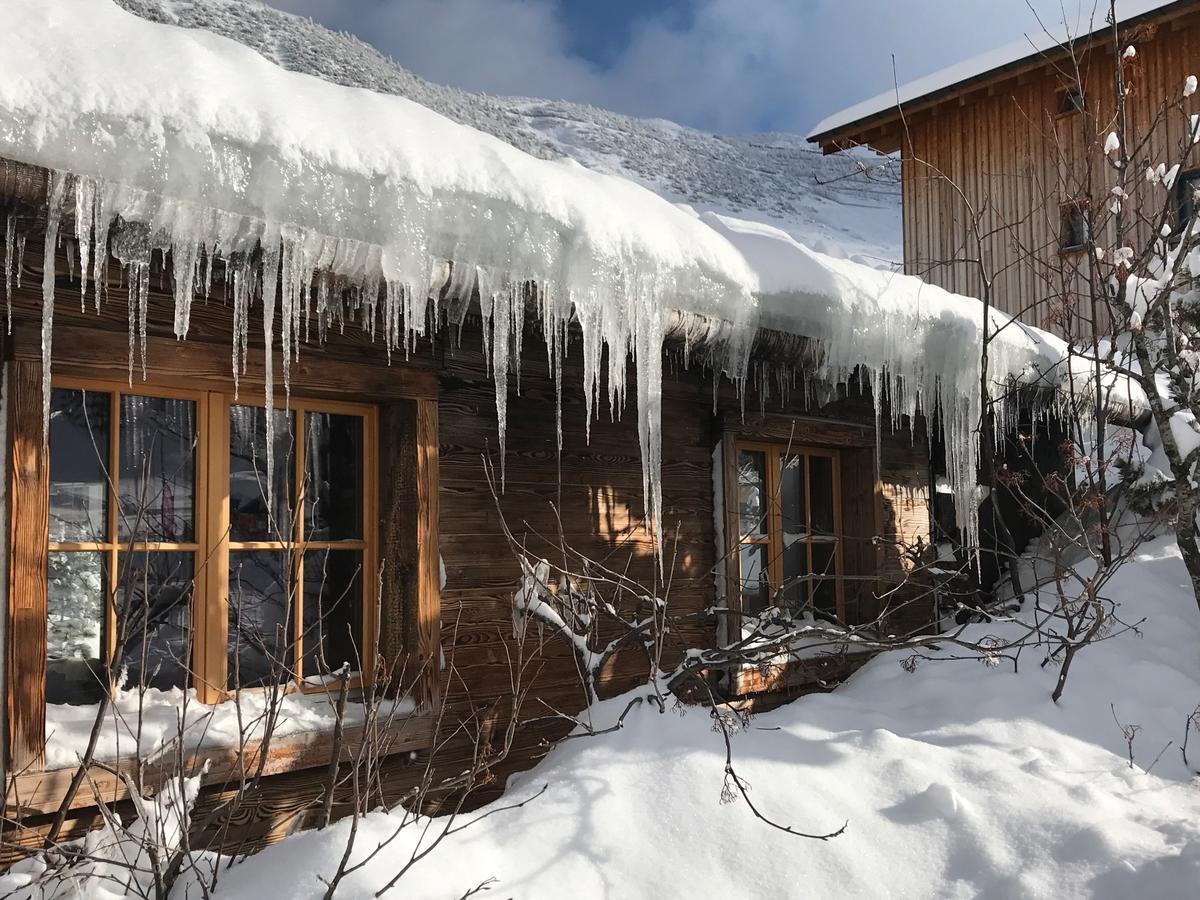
1037 41
196 145
219 151
88 88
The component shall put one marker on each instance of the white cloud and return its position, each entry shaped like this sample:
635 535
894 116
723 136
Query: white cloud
730 65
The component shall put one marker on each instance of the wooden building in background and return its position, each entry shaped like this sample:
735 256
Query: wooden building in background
1002 156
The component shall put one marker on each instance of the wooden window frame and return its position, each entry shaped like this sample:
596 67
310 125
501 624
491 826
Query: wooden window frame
774 453
1066 104
404 503
1065 211
1186 207
212 543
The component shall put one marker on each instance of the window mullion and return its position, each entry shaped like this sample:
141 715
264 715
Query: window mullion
774 523
113 518
212 623
296 554
811 586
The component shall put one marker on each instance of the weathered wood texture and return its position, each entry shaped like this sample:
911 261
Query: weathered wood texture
590 496
1000 146
27 554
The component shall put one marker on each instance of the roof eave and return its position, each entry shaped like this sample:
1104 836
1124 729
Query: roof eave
882 130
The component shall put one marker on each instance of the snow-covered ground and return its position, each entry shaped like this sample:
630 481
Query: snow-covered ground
957 780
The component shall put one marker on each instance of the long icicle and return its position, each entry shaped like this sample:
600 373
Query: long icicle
10 227
55 189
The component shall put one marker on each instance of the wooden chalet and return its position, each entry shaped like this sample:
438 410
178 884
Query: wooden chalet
1017 135
401 449
183 524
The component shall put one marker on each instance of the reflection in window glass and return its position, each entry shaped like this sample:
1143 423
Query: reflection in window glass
752 491
333 471
332 611
795 570
792 498
248 515
825 589
259 649
158 469
756 590
157 626
77 587
820 483
78 465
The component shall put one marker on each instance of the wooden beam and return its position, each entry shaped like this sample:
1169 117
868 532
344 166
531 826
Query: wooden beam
28 558
428 613
197 364
398 539
37 792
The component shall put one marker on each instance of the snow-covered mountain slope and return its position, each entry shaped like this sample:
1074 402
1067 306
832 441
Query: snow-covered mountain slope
840 205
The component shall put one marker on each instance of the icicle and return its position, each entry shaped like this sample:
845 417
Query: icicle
55 189
502 301
270 283
243 281
99 253
10 227
184 256
85 194
20 258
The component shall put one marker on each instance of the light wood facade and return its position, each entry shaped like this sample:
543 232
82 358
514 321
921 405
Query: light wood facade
992 166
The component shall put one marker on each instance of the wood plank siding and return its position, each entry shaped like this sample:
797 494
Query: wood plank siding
438 421
987 166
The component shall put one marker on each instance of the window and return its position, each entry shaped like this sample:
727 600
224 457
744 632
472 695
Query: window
789 551
184 554
1071 101
1075 228
1188 200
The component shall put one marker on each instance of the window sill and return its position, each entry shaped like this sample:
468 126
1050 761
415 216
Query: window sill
42 791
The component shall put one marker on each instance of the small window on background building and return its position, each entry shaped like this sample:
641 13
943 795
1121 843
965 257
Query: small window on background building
1075 230
1187 189
1071 101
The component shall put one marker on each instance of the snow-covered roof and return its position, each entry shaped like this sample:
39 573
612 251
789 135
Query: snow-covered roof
212 151
1033 44
88 88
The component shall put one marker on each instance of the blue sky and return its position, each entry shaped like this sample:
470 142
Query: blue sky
733 66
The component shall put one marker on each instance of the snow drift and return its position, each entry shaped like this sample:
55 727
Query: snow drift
957 780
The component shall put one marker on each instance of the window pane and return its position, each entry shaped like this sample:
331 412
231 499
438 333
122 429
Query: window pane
333 469
820 483
248 516
157 629
158 469
791 497
78 464
825 589
259 649
75 628
332 611
752 491
756 592
795 570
